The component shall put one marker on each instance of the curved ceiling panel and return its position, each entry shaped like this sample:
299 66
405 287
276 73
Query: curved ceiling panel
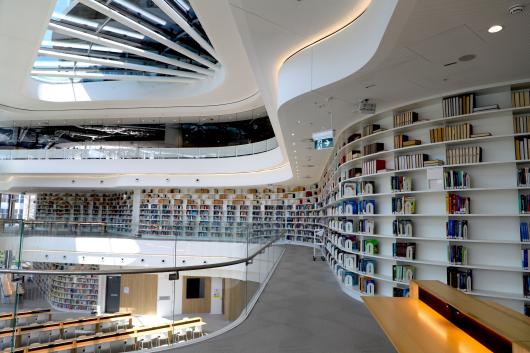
121 59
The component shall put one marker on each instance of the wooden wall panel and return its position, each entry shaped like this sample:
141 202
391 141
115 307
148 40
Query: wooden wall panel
139 294
234 294
198 305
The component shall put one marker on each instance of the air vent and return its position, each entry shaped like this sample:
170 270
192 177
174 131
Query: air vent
516 9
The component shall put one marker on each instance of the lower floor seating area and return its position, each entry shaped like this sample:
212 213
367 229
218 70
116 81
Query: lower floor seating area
35 331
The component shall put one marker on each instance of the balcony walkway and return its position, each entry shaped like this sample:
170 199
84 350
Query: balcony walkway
302 310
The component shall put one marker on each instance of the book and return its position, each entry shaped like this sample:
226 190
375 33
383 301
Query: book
461 279
457 254
480 134
353 137
370 129
373 148
403 273
410 161
400 183
458 105
456 229
403 205
456 179
402 228
400 292
405 118
372 167
452 132
523 232
456 204
464 155
411 143
406 250
371 246
521 98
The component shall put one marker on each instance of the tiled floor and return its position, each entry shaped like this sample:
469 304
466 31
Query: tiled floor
302 310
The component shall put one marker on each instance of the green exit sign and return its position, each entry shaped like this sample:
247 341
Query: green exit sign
322 144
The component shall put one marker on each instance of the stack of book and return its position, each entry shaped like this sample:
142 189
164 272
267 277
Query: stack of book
406 250
458 105
400 183
401 141
367 266
523 232
353 137
521 98
456 204
456 229
371 129
403 273
372 167
371 246
522 149
457 179
367 285
403 205
524 255
366 206
524 203
366 226
463 155
405 118
373 148
526 287
460 279
521 124
354 172
433 163
402 227
410 161
457 254
451 132
350 155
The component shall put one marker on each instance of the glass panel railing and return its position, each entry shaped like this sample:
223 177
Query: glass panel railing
96 287
128 151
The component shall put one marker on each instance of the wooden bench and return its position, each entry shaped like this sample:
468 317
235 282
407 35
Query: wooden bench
438 318
25 313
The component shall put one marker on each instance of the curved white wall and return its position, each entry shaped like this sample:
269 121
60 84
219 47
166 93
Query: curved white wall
337 56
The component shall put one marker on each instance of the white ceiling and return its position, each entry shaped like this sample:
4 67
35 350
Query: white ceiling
22 25
409 64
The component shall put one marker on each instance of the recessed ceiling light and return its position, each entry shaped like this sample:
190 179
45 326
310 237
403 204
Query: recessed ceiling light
294 151
292 133
298 121
495 29
294 143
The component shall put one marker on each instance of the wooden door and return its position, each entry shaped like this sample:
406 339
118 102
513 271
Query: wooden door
193 304
139 294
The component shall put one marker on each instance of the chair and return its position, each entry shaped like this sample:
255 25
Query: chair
197 330
43 317
85 330
163 336
122 324
31 337
103 347
68 332
5 342
189 331
86 349
108 326
178 333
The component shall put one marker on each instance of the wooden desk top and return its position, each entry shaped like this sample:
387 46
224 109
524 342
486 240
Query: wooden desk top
7 316
413 327
509 324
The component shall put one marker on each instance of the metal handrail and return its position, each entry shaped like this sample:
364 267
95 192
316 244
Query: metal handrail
247 260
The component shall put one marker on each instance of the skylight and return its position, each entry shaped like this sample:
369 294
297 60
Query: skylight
142 40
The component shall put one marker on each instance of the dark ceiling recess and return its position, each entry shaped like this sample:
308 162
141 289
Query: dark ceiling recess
163 135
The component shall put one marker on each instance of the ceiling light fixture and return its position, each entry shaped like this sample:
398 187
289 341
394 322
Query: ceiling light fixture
292 133
495 29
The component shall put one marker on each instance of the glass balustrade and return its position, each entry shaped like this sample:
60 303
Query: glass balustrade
128 151
97 287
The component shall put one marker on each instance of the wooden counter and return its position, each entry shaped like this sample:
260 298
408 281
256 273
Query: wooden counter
414 327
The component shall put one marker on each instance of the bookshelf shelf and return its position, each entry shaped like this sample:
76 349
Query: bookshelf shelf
492 242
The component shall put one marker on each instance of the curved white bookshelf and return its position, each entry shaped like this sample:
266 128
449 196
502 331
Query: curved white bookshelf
493 246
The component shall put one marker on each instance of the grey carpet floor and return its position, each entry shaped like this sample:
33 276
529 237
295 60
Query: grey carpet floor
302 310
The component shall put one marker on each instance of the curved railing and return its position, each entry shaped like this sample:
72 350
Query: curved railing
178 302
129 151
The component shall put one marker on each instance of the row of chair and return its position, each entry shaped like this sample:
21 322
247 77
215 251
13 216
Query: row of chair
122 340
